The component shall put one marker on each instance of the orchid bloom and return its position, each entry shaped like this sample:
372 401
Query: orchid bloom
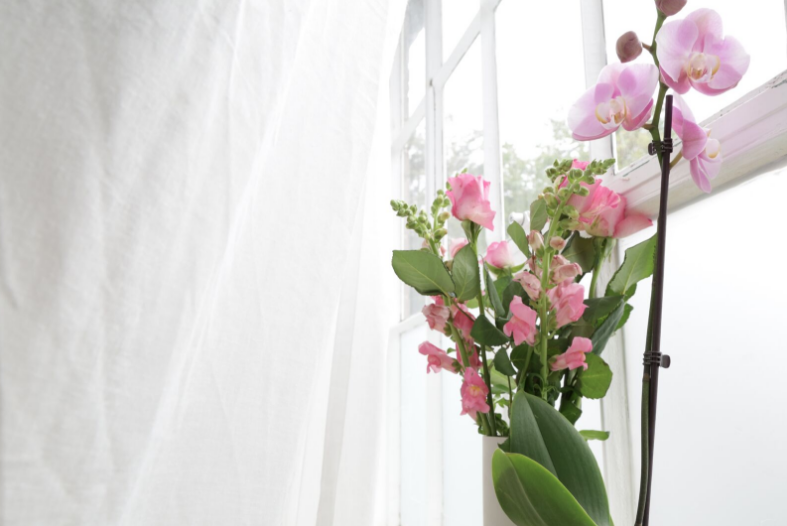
522 325
498 255
702 152
693 53
568 300
469 195
623 96
474 392
455 245
436 314
574 357
530 283
437 358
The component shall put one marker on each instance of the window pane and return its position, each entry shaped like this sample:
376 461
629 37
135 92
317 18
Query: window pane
533 109
457 15
413 192
720 456
746 21
415 59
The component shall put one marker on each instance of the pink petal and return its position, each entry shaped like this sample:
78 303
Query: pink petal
675 42
632 224
680 84
699 177
639 120
708 23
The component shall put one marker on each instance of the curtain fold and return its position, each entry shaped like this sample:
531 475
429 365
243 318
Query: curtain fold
192 200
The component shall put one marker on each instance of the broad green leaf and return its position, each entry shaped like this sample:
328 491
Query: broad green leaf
493 296
637 265
626 313
600 307
499 381
423 271
595 381
538 214
532 496
589 434
503 363
581 250
485 333
519 237
519 355
570 411
541 433
604 331
514 288
467 280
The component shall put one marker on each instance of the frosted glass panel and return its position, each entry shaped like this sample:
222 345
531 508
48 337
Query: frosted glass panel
722 423
413 429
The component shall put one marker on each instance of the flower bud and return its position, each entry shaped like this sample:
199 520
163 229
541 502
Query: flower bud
584 191
670 7
628 47
440 234
558 243
444 216
535 239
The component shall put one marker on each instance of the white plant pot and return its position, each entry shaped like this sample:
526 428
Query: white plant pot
493 513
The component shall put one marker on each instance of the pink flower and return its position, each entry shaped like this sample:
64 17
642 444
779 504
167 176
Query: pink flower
568 301
522 324
463 321
693 54
558 243
469 195
474 392
535 239
574 357
455 245
436 314
563 269
580 164
603 212
530 283
437 358
702 152
498 255
623 96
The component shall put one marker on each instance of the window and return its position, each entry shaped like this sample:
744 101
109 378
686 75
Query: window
472 88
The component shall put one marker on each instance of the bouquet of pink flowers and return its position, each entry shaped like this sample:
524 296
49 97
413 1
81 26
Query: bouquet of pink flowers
528 338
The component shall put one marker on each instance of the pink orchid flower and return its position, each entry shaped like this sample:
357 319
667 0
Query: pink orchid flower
693 53
469 195
498 255
455 245
437 358
474 392
702 152
623 96
522 324
436 314
603 212
568 300
530 283
574 357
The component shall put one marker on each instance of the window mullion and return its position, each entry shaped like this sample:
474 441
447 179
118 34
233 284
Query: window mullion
491 126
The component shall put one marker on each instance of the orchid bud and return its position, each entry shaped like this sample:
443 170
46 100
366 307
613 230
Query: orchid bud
670 7
535 239
558 243
628 47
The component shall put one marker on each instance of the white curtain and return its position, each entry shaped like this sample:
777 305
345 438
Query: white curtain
192 238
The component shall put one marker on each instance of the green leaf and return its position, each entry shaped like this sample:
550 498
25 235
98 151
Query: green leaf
485 333
602 334
581 250
531 496
519 355
626 313
423 271
595 381
600 307
570 411
492 295
519 237
514 288
467 280
588 434
538 214
637 265
541 433
503 363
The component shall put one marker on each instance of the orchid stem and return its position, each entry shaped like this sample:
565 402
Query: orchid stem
676 160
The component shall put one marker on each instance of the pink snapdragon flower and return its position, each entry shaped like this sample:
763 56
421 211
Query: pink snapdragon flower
623 96
574 357
463 321
702 152
437 358
580 164
567 299
558 243
522 325
563 269
498 255
474 392
469 195
603 212
455 245
535 239
530 283
436 314
693 53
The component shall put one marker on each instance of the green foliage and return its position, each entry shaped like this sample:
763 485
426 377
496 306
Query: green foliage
519 237
485 332
602 334
597 308
588 434
423 271
465 273
493 296
581 250
595 381
538 214
626 313
503 363
637 265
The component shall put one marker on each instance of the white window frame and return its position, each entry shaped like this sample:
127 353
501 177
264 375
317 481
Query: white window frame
753 131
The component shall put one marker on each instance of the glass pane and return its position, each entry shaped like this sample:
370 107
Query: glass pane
746 21
457 15
720 456
415 58
413 192
533 131
413 429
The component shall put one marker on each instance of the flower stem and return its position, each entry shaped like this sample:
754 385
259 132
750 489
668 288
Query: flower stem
676 160
487 377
